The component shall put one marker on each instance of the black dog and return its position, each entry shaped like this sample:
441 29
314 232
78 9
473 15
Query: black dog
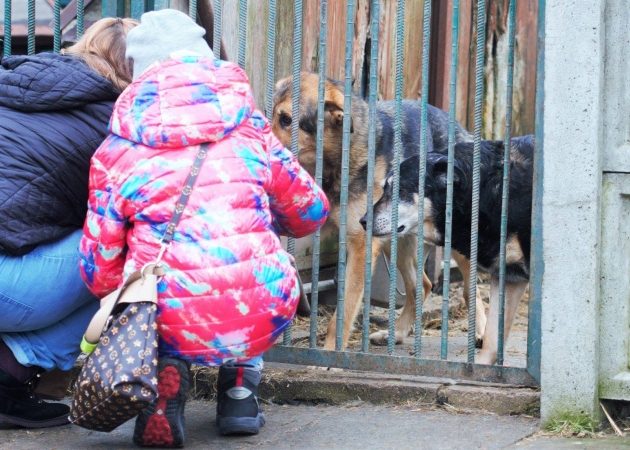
491 181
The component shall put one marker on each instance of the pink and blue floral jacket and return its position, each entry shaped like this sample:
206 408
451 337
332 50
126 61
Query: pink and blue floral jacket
230 288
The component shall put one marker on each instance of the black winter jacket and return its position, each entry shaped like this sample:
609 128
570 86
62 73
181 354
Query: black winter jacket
54 112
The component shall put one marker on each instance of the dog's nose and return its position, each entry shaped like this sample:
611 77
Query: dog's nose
363 222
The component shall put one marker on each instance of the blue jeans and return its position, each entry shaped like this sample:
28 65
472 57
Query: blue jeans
44 305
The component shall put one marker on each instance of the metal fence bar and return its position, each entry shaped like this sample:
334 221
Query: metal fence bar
115 8
242 32
537 261
426 48
192 9
345 168
217 24
474 223
57 26
138 7
271 70
319 165
373 90
271 58
295 109
505 194
81 18
448 224
159 4
393 275
404 365
6 40
31 26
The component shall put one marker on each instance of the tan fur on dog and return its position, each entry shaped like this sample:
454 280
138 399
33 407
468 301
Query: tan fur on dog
357 197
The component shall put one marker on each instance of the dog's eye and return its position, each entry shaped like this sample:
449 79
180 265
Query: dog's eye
285 120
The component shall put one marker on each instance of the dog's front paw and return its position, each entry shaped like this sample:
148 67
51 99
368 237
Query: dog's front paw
380 337
486 357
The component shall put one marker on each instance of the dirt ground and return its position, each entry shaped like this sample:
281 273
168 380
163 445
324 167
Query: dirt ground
515 354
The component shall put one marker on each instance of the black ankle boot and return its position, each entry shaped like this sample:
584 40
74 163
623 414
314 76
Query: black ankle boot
20 406
238 411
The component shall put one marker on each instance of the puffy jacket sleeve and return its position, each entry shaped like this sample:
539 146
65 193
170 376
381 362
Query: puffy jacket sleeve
103 246
298 204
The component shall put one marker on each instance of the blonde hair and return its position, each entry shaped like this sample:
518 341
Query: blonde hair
103 47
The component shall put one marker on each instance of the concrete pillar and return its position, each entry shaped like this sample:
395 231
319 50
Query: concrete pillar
571 206
614 382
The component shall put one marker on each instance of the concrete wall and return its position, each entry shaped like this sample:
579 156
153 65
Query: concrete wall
614 380
585 65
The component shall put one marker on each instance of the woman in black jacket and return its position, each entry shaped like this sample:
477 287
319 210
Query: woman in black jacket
54 112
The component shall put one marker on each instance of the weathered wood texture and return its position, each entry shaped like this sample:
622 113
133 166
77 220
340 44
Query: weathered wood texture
495 70
440 58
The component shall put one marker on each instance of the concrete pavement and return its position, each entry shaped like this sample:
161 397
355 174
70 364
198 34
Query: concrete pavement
355 426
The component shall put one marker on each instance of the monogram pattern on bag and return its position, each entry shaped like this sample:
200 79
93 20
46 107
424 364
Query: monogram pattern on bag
119 378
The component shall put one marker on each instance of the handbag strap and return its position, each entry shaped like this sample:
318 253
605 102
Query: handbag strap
183 200
148 276
140 286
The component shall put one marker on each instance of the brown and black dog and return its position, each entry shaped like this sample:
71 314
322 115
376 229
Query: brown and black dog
357 188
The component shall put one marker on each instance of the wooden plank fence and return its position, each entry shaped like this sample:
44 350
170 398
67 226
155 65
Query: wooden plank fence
256 58
495 70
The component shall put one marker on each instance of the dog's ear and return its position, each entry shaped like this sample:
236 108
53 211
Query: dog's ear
438 167
335 114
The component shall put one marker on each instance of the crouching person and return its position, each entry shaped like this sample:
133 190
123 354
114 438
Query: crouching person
230 289
54 111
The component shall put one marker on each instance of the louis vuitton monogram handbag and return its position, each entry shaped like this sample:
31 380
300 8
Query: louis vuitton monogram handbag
119 376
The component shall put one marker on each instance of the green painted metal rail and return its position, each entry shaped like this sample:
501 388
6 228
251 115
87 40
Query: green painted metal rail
31 26
404 365
271 58
345 168
448 226
537 261
393 274
373 87
6 39
319 166
298 19
242 32
419 294
505 194
476 178
218 28
138 7
116 8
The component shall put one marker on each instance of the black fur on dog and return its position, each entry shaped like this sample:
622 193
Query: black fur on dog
490 191
490 199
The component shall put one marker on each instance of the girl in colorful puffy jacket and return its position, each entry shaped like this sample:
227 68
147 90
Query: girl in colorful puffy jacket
230 288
